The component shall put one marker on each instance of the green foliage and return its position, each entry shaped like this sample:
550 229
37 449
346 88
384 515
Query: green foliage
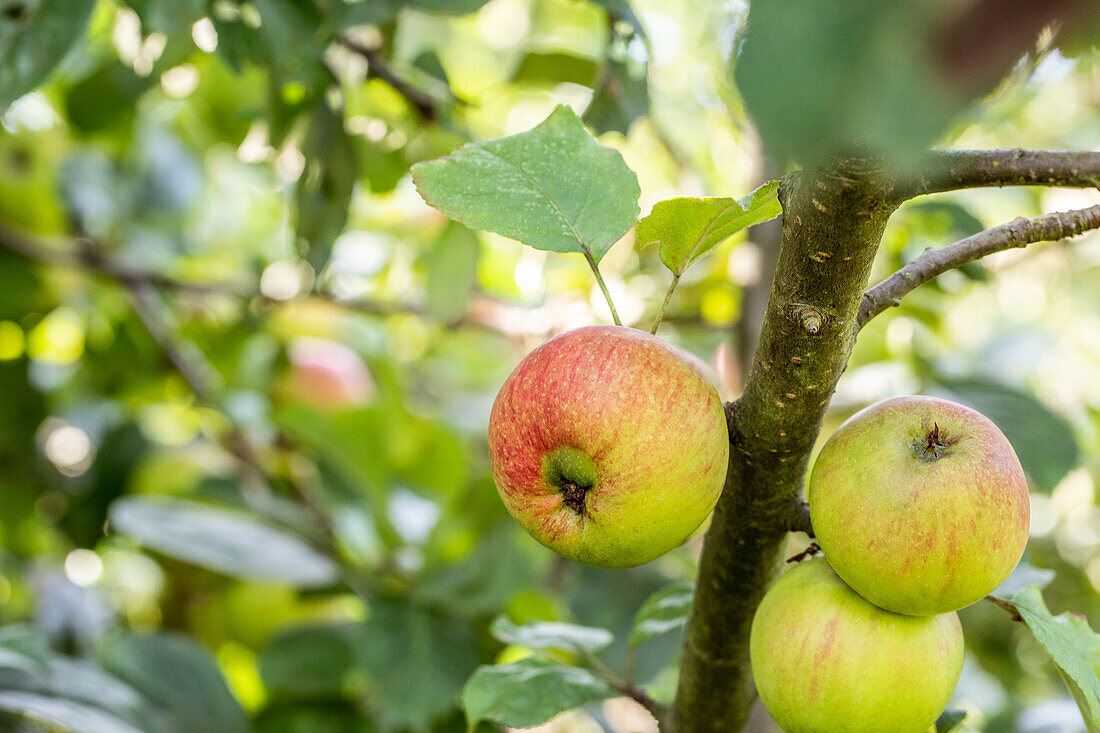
553 188
224 541
685 229
1073 645
529 692
664 611
546 635
34 36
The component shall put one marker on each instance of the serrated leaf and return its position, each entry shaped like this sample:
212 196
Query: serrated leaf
34 37
529 692
1073 645
553 635
662 612
687 228
950 720
224 541
553 187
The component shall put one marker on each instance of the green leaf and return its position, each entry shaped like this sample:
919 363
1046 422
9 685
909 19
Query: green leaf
34 38
180 677
622 94
223 541
309 661
24 653
69 715
664 611
1074 647
417 662
529 692
553 68
553 635
1043 440
553 187
950 720
324 190
452 272
687 228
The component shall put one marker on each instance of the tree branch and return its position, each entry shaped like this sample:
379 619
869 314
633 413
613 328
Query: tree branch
424 104
798 519
832 222
933 262
951 170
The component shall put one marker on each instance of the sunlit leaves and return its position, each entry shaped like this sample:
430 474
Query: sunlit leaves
529 692
553 187
685 228
224 541
34 38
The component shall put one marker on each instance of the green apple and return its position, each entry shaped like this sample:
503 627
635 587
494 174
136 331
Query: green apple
920 504
608 445
827 661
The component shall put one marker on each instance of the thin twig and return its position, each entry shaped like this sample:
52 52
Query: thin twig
933 262
798 519
603 286
420 100
664 305
951 170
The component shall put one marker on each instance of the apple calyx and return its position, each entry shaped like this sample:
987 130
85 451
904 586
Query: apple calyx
933 444
573 474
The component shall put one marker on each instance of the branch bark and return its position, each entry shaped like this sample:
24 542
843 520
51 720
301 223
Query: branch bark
951 170
933 262
424 104
832 222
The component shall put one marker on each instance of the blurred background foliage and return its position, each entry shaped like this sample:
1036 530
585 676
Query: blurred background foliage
246 372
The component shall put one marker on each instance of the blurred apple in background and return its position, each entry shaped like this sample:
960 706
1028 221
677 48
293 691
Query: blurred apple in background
327 375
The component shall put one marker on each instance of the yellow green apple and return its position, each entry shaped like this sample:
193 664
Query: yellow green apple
920 505
609 445
827 661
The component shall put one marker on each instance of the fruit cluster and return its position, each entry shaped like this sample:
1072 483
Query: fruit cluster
921 508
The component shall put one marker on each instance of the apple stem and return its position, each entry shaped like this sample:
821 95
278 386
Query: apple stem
668 297
603 286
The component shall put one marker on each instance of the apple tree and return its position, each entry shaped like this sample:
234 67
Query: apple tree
267 263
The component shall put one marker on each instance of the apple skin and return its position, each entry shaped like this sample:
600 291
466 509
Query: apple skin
827 661
920 505
609 445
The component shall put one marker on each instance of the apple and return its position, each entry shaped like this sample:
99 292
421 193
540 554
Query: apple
827 661
608 445
327 375
920 505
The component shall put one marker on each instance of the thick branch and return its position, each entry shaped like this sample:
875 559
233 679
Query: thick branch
832 223
951 170
420 100
933 262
